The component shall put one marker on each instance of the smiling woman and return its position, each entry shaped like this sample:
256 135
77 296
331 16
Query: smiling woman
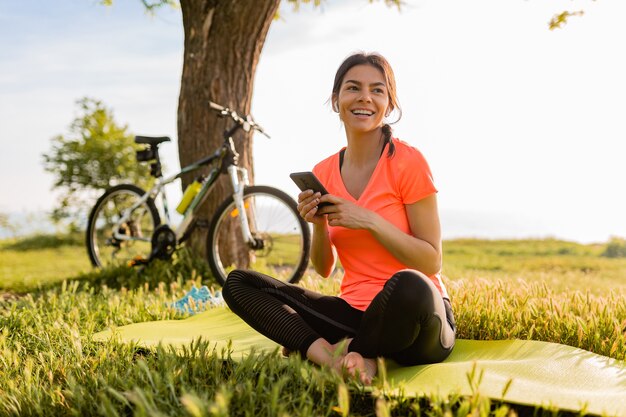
383 224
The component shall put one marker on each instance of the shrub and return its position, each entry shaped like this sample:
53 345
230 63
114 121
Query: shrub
616 248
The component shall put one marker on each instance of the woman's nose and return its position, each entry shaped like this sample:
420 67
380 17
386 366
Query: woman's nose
365 96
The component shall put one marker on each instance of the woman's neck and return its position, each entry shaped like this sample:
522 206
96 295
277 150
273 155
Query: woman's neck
364 148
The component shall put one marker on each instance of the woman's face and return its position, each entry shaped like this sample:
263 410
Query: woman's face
363 99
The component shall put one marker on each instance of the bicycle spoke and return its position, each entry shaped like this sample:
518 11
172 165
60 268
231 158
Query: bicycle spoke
280 247
113 243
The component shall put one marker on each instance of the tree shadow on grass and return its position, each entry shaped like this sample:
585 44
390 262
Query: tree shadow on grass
45 241
7 295
184 266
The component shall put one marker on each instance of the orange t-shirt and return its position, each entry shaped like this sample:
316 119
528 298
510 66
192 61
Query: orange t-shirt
401 179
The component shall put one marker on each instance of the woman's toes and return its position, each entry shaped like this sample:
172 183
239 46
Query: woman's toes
356 365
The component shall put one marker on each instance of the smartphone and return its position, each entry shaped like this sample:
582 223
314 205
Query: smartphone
308 181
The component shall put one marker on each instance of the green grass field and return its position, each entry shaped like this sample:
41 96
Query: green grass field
52 302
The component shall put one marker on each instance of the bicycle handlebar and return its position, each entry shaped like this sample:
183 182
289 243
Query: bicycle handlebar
246 123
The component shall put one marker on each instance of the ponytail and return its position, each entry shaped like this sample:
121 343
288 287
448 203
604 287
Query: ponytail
387 135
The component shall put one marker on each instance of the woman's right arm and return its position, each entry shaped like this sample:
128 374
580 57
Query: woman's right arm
323 254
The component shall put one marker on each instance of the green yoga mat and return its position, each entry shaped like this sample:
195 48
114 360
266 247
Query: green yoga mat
538 373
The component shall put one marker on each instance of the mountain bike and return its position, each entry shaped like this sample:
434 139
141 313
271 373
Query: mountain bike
257 227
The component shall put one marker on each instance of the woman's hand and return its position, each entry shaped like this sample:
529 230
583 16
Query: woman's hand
346 214
308 207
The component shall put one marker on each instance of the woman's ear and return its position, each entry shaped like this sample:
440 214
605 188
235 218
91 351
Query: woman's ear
334 103
390 109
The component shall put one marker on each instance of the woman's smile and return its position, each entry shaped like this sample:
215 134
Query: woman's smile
364 113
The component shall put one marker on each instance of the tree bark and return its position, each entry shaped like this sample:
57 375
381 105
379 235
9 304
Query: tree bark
223 42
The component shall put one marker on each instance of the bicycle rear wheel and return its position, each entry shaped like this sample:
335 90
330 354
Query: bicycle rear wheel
282 237
103 247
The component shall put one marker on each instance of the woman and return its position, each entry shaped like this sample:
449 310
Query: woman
383 224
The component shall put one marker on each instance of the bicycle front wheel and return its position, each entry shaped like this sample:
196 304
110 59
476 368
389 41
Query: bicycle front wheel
281 238
133 237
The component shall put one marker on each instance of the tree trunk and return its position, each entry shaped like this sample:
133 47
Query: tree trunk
223 41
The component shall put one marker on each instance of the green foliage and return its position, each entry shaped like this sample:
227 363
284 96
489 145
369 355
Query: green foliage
6 224
150 5
616 248
296 3
95 154
4 220
561 19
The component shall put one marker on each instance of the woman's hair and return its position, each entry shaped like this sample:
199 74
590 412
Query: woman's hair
379 62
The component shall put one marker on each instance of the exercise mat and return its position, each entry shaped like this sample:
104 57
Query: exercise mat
527 372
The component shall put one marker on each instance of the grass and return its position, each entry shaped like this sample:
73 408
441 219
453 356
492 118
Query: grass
35 261
49 365
562 266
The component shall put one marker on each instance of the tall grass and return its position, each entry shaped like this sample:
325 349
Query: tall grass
504 310
49 364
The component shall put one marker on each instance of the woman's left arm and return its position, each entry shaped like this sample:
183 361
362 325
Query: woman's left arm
420 251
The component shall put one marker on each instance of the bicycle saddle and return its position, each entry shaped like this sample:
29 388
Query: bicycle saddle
151 140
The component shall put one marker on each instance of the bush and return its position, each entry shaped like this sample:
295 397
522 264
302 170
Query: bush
94 155
616 248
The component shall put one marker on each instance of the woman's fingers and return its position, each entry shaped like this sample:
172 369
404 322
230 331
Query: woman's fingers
309 216
308 205
304 197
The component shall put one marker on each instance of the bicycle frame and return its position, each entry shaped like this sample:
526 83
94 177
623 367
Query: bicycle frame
224 159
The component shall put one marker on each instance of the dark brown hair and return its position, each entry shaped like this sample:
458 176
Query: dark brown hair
379 62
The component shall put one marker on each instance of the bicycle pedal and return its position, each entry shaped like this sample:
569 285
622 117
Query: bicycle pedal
138 260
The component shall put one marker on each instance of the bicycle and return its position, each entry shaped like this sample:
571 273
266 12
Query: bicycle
257 227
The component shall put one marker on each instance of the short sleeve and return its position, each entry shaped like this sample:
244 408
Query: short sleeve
414 179
324 170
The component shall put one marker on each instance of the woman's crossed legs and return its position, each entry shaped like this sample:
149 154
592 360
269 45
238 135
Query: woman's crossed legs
407 321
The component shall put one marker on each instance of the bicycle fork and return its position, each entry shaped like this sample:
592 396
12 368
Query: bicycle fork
238 187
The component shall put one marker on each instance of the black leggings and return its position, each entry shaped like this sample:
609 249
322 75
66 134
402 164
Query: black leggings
407 321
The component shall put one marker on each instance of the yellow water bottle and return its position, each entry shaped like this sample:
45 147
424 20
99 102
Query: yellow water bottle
190 192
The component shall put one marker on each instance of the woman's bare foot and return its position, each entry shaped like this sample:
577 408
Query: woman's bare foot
358 366
324 354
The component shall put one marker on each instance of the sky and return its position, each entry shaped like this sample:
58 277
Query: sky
524 128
